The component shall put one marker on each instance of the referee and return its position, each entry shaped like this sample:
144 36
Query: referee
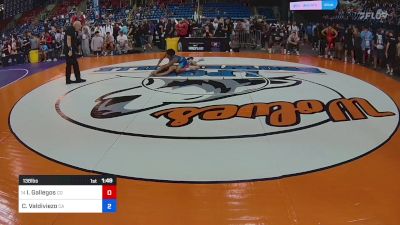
70 51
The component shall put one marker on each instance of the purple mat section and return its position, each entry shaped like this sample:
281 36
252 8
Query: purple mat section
11 74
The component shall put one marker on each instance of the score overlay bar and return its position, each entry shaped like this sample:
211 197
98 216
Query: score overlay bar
67 194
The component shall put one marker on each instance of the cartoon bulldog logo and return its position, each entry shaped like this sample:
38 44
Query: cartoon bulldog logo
181 90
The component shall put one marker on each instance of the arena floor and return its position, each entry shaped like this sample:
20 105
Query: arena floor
250 138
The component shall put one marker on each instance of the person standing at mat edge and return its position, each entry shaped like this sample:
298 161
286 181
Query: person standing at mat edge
70 51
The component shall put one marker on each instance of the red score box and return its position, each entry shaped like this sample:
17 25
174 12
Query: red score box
109 192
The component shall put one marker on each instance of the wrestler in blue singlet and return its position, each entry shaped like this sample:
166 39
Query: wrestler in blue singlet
182 61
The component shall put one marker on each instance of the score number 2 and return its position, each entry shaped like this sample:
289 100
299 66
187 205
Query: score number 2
109 198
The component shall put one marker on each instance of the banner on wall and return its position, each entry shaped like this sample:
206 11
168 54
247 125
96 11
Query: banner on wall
314 5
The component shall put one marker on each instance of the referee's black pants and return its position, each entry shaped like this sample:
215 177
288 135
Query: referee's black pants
72 61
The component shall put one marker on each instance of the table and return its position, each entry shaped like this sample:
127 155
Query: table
196 44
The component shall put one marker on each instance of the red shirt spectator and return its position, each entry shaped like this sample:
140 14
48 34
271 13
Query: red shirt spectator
185 28
49 40
182 29
80 17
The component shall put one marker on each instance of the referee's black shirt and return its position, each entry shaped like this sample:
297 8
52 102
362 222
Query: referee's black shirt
70 31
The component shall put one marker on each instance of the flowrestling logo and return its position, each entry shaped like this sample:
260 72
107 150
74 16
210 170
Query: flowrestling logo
259 118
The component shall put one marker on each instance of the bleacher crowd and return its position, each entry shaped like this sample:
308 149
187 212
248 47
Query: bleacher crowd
120 29
375 47
111 33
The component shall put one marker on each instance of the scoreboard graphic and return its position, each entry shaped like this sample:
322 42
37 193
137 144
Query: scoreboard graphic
67 194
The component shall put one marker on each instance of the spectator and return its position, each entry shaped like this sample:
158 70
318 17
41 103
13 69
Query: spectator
5 56
210 26
86 40
161 33
26 47
122 43
132 33
228 27
191 26
309 33
43 48
109 46
284 33
50 43
182 28
98 28
357 46
277 39
73 10
321 40
234 44
366 43
349 45
398 55
246 26
2 42
330 34
302 31
293 27
293 43
169 28
124 29
79 16
59 39
116 29
141 35
14 49
147 30
339 42
219 32
34 41
265 37
207 33
97 44
315 36
152 32
379 48
390 53
106 28
215 24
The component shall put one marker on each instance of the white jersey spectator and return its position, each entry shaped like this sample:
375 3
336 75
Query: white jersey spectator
106 28
98 28
122 42
86 40
97 44
293 27
246 26
215 23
